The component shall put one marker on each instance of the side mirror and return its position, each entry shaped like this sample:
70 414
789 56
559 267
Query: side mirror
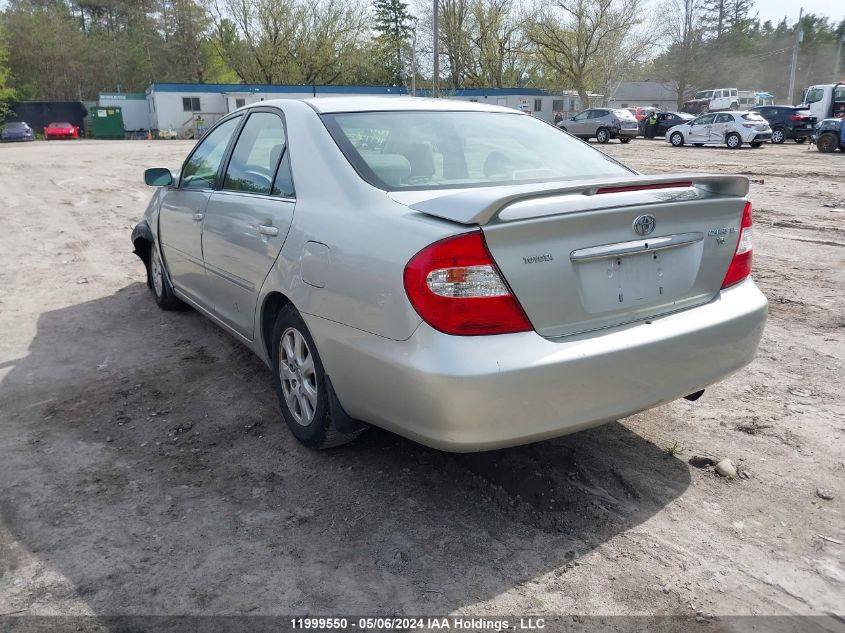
158 177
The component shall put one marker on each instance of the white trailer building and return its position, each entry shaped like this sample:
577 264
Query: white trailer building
188 109
185 108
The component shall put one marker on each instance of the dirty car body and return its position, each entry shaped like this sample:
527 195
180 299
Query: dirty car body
463 275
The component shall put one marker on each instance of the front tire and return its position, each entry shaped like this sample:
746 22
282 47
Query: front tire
677 139
159 283
301 386
733 140
827 143
624 140
756 144
602 135
778 135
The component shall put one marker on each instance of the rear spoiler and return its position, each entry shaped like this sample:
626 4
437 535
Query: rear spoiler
481 205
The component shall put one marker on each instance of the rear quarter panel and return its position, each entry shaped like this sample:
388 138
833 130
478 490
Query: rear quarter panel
362 238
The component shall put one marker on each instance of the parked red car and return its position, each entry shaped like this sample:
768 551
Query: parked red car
61 129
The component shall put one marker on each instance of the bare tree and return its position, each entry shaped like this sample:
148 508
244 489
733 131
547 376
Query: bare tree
497 42
276 41
684 32
567 36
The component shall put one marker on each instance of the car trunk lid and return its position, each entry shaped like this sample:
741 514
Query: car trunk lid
597 254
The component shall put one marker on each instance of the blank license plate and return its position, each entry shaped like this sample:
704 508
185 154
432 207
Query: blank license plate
634 280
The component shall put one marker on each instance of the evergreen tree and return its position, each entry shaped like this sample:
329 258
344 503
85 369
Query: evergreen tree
393 28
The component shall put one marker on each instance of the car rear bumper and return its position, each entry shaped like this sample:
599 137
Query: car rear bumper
627 133
765 136
479 393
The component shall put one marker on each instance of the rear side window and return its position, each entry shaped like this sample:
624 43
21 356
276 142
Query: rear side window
446 149
200 170
256 156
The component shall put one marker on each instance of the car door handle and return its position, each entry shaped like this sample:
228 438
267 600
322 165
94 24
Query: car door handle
268 230
198 217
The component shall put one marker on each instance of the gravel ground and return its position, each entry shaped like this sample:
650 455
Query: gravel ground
144 468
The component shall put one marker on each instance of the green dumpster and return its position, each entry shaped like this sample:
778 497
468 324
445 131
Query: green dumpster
106 122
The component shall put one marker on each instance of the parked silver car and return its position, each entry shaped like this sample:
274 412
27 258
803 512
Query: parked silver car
602 124
722 128
464 275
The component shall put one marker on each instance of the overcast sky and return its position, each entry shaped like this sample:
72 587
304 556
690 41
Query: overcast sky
775 10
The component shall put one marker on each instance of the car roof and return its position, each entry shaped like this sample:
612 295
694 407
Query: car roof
325 105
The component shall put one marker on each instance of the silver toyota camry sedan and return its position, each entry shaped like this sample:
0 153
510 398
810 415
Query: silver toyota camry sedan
464 275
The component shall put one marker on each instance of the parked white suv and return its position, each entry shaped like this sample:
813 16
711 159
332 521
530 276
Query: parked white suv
722 128
713 100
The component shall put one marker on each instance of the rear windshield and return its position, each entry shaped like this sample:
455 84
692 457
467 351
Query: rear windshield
433 149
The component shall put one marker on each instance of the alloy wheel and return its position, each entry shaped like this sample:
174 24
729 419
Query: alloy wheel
298 376
777 136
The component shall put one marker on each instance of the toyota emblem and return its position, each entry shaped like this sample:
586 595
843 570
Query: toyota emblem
644 224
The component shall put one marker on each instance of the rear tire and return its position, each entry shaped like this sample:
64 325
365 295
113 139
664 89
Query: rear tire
733 140
778 135
301 384
677 139
159 283
756 143
803 139
602 135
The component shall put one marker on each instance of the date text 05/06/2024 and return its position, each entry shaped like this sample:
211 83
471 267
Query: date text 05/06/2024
450 623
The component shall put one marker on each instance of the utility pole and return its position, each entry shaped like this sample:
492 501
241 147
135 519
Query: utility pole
798 37
414 62
435 78
838 59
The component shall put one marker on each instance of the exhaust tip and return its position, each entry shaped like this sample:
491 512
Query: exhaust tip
694 396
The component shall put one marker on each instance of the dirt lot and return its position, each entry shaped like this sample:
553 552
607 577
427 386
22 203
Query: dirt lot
144 468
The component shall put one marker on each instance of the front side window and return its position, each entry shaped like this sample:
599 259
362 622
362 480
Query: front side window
724 118
430 149
707 119
200 170
260 146
814 95
190 104
583 115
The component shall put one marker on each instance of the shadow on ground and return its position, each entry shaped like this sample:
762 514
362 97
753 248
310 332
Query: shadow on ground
143 459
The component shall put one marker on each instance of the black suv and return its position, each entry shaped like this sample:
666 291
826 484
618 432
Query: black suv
788 122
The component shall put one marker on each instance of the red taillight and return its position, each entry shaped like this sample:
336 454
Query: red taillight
456 288
740 266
